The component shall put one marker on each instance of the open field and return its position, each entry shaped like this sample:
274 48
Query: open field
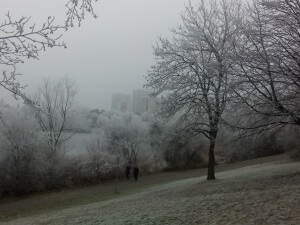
257 194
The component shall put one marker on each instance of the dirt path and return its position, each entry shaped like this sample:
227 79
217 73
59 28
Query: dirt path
16 208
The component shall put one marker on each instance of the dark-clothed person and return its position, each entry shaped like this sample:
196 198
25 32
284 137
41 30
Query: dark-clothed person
136 173
127 171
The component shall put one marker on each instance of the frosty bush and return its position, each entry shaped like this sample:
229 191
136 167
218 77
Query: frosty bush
19 149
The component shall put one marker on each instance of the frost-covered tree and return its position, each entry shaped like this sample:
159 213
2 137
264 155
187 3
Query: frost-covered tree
52 111
82 119
284 20
268 82
128 136
192 71
21 38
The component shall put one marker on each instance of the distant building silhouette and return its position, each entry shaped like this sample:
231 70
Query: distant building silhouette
121 102
143 102
139 101
152 104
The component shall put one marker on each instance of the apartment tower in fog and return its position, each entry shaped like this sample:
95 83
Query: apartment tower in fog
121 102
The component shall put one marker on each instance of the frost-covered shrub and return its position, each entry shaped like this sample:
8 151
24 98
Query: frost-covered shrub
150 164
290 140
179 150
19 146
98 161
262 145
26 163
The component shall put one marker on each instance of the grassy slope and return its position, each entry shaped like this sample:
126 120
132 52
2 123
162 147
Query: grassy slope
267 194
44 202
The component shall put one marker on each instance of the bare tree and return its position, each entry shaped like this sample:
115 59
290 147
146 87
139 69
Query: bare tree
192 71
267 82
52 111
284 20
22 39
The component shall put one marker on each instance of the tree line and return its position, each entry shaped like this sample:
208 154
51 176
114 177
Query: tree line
36 143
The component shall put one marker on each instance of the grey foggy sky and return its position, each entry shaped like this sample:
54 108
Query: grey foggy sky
105 55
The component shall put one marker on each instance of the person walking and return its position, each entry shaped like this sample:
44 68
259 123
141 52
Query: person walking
127 170
136 173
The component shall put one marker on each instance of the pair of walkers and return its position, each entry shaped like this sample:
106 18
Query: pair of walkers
135 171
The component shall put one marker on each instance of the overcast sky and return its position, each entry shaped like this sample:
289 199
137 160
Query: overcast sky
105 55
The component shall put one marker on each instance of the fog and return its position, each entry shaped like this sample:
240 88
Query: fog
105 55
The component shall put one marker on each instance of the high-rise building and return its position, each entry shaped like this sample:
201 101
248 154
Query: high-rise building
121 102
143 102
140 101
152 104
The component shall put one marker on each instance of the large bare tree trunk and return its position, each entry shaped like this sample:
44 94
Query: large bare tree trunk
211 158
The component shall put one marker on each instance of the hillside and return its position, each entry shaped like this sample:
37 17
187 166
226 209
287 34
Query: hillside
257 194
